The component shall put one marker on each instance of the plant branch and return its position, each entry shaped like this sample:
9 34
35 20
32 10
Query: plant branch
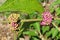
30 20
42 37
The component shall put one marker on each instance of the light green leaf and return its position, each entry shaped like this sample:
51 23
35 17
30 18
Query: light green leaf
40 0
55 25
45 28
48 34
57 2
27 6
31 33
57 11
7 14
51 9
37 26
54 32
57 21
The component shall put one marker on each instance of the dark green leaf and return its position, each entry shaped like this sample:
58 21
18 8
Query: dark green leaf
33 38
58 36
20 32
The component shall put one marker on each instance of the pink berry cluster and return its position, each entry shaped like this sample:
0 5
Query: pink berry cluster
13 19
14 24
47 18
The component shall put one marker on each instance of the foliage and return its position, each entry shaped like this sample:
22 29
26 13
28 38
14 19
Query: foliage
30 17
26 6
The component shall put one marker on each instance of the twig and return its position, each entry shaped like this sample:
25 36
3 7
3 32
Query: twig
30 20
42 37
27 20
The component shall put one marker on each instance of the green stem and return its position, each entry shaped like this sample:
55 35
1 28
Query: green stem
15 36
28 20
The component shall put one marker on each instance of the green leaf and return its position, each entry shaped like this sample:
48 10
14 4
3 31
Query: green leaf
33 15
37 26
57 21
40 0
51 9
26 6
48 34
57 11
33 38
54 32
30 33
45 28
55 25
57 2
58 36
7 14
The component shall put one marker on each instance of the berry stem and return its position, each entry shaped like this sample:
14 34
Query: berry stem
30 20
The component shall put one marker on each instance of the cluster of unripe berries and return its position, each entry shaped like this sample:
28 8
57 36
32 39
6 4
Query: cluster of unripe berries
13 20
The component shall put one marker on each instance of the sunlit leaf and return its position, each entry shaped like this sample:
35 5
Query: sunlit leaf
54 32
48 34
30 33
27 6
37 26
45 28
57 11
